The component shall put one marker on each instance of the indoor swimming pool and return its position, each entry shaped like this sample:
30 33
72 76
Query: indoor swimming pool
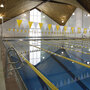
65 63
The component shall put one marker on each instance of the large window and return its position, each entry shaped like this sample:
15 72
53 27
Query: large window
35 54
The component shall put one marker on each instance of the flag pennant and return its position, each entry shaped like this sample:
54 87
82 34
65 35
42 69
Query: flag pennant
65 28
57 27
49 26
19 23
82 30
61 28
85 30
79 30
88 31
21 30
30 24
69 29
25 23
9 29
17 30
13 30
76 29
45 26
35 24
72 29
40 24
25 31
53 27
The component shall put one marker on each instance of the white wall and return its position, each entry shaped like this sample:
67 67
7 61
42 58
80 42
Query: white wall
72 22
79 19
13 24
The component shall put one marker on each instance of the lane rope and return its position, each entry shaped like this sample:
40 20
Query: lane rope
52 86
59 55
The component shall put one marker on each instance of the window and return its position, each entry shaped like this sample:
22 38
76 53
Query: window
35 54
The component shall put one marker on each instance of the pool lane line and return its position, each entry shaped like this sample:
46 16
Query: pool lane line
82 85
70 41
39 50
72 75
79 58
75 45
22 48
67 44
79 82
52 86
75 42
82 64
66 48
86 44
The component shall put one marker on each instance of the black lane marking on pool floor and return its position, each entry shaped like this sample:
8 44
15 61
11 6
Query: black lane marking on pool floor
71 74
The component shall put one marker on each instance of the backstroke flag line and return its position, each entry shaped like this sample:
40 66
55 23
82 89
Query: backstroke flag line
19 23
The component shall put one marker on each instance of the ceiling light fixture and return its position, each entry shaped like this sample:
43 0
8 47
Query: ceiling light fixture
2 6
62 21
88 15
73 14
43 16
1 17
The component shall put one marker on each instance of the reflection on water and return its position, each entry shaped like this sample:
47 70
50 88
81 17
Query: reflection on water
59 71
35 54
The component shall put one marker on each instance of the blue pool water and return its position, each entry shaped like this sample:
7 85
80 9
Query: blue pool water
64 74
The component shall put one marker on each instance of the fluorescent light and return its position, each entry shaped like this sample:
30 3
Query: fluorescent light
1 5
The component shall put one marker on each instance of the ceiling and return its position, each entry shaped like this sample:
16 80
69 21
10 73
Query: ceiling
85 4
57 12
16 7
55 9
